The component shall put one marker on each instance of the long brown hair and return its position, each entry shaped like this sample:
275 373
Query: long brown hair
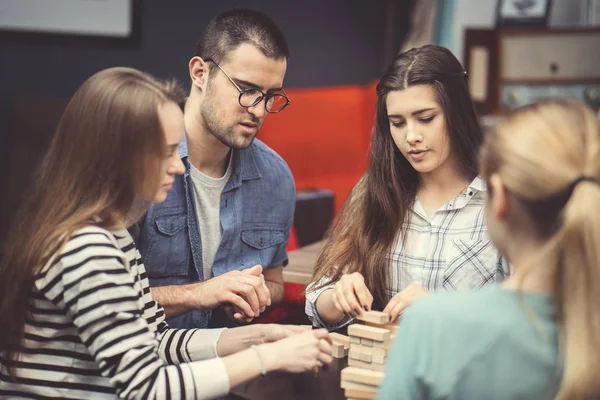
364 230
540 153
106 151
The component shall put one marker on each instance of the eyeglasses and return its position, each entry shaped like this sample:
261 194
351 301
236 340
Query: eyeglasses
274 103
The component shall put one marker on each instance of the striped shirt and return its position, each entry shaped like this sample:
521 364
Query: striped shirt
448 251
94 332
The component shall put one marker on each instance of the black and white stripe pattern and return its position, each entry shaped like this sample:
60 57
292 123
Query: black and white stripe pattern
95 332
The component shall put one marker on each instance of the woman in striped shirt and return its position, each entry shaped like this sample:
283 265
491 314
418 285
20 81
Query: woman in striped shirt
414 223
78 316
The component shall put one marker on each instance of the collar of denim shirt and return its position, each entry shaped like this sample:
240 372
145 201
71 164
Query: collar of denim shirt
244 165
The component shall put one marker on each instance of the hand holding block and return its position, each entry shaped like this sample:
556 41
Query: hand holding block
368 332
338 350
358 375
376 317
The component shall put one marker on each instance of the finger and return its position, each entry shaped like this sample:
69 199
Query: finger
249 294
350 296
256 270
398 310
263 293
325 358
240 303
322 334
391 304
324 346
364 295
266 290
341 298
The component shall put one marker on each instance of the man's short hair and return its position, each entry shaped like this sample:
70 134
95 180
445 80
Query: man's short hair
230 29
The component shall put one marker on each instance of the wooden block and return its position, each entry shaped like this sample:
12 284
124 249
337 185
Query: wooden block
359 394
339 338
392 328
376 317
365 365
353 354
386 344
359 375
378 359
354 339
338 350
366 357
359 386
368 332
374 351
366 342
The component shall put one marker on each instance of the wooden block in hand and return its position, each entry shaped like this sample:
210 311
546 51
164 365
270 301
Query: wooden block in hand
361 364
390 327
339 338
376 317
368 332
338 350
359 375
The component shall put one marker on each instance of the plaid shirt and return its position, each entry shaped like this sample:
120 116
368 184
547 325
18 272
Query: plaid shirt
448 251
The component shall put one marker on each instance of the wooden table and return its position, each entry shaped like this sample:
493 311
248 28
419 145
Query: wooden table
287 386
302 263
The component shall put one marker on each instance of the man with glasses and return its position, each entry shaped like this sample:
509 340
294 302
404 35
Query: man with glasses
215 249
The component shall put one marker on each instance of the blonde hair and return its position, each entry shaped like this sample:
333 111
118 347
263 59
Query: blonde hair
541 153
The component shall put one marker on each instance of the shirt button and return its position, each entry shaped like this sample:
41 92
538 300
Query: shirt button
261 242
470 193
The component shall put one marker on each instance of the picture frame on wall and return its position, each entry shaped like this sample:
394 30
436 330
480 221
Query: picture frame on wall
523 12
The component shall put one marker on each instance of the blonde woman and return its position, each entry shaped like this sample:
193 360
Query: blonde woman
538 335
78 317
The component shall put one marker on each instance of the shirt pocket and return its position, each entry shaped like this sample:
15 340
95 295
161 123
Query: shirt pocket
470 264
168 252
260 246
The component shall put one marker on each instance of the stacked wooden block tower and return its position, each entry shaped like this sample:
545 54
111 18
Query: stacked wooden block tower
367 346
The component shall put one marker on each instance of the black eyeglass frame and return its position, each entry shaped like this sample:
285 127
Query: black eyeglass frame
266 96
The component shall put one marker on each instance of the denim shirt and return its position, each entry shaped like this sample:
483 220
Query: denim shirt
256 214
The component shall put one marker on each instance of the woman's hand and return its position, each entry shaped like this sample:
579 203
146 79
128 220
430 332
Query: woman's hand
302 352
403 299
350 295
275 332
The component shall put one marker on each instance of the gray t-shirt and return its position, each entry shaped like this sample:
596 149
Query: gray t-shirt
207 194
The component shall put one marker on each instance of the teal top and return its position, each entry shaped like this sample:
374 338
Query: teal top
489 344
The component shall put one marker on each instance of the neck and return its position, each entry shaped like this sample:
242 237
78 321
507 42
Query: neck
532 270
444 179
206 152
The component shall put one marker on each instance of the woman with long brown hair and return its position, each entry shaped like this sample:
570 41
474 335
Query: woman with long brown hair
414 222
78 318
537 336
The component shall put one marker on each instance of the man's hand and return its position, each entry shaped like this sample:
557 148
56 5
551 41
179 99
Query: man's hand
400 301
243 290
237 313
